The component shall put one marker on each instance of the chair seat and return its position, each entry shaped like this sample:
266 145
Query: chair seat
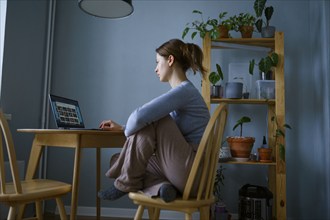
35 189
178 204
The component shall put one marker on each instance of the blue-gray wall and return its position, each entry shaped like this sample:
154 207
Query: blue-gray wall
108 65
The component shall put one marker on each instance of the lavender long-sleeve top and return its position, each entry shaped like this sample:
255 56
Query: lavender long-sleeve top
185 105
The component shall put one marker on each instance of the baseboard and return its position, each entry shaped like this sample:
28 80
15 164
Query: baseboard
125 213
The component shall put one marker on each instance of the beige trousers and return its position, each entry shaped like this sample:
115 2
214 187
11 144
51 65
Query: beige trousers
154 155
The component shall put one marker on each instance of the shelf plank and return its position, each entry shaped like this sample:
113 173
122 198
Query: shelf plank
250 163
244 101
244 43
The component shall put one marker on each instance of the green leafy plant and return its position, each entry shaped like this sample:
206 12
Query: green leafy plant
279 132
260 7
215 77
228 23
265 64
242 19
202 27
240 123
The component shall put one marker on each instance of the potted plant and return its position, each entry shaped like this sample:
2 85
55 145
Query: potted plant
260 8
240 146
265 65
265 152
220 210
225 25
244 23
215 77
202 27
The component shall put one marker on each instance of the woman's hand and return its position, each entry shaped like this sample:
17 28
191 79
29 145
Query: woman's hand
110 125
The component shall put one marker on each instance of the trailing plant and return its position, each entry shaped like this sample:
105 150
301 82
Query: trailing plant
265 64
279 132
216 76
218 183
260 7
240 123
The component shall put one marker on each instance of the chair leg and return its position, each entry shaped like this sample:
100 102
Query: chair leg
139 213
61 208
156 213
11 213
20 211
205 213
39 210
151 212
188 216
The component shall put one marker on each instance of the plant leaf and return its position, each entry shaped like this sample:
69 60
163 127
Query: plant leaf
269 12
287 126
185 32
193 35
197 12
274 59
219 70
259 6
251 66
242 120
214 77
265 64
258 24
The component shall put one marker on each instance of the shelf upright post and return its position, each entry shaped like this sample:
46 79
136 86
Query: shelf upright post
280 114
207 65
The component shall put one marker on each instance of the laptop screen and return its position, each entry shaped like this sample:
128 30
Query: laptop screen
66 112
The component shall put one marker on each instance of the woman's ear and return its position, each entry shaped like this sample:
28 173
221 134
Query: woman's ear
170 60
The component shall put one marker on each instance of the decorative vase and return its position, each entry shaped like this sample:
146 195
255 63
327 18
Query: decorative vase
246 31
234 90
240 147
223 31
216 91
268 32
265 154
220 211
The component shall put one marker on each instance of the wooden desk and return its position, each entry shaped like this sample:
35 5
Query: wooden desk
76 139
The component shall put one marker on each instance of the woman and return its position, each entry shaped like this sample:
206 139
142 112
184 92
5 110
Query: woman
162 135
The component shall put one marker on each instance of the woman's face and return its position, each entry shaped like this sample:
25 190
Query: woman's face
162 68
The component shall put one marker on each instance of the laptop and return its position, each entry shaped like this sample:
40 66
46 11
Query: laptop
67 113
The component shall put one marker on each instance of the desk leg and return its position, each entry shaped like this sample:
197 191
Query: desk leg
75 184
34 159
98 182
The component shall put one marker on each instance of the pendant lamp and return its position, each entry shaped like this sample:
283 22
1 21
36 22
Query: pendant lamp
107 8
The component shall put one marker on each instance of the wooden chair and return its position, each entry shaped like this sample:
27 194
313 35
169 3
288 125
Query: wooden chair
207 159
18 193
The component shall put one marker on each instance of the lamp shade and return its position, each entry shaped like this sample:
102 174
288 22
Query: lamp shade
107 8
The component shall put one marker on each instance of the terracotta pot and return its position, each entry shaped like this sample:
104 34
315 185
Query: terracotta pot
240 147
223 31
246 31
265 154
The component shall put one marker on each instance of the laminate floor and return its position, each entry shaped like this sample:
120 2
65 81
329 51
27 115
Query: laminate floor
49 216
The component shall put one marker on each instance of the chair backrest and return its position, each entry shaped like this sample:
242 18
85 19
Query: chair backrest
207 155
6 138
